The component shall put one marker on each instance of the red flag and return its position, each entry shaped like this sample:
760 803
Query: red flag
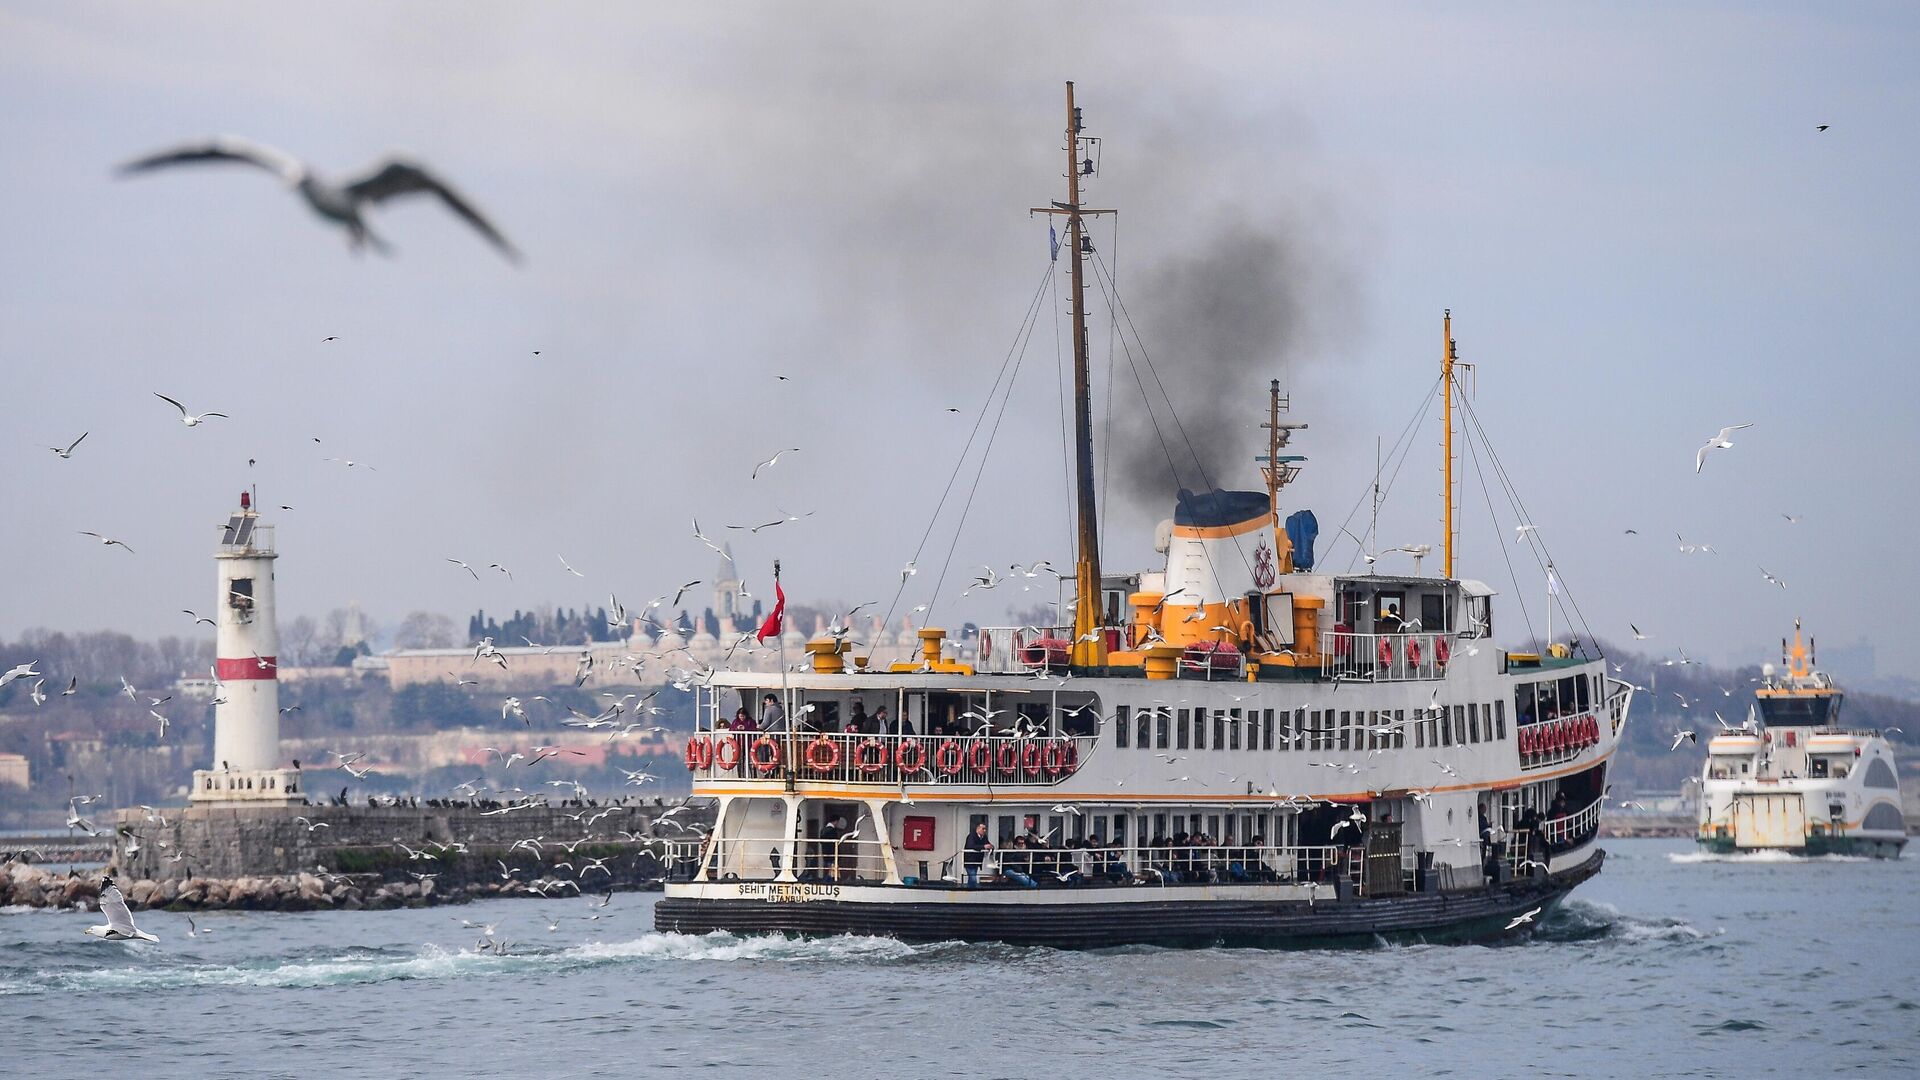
774 624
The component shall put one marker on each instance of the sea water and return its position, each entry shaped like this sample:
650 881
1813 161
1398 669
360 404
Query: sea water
1668 964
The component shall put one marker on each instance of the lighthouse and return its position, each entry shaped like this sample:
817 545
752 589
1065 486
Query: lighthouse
246 766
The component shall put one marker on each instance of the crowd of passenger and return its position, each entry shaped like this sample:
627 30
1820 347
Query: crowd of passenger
826 718
1028 861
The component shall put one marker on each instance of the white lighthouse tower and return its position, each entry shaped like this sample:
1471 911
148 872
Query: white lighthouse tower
246 764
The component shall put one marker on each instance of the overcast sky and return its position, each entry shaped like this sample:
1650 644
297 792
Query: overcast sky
1630 212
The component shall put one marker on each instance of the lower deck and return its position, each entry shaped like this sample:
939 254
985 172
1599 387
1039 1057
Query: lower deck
1233 914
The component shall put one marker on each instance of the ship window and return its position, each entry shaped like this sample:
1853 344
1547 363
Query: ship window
1460 725
1479 616
1346 729
1433 613
1583 690
1500 720
1181 733
1213 826
1817 768
1179 824
1161 723
1419 733
1122 720
1473 722
1119 828
1322 720
1399 729
1004 829
1143 729
1199 729
1880 775
1266 730
1220 731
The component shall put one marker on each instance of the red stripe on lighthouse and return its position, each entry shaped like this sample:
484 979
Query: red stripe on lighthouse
267 667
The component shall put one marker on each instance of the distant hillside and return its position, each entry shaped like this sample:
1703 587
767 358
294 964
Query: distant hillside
1647 764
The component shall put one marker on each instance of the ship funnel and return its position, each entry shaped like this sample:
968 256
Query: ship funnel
1221 547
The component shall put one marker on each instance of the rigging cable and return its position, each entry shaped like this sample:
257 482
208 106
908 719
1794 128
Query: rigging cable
1512 575
1405 432
1033 306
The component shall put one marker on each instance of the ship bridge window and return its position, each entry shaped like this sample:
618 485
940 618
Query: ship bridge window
1817 768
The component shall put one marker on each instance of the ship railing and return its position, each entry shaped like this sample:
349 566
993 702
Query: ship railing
1385 657
1565 832
843 861
1052 867
888 760
1021 650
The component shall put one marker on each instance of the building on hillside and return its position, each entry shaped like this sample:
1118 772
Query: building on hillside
14 771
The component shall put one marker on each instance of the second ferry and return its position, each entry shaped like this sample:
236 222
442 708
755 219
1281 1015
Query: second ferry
1235 746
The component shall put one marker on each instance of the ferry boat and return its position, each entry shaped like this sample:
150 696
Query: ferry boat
1793 779
1233 747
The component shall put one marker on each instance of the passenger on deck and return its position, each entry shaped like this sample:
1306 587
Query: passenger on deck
1389 623
742 720
1529 824
884 725
1016 865
830 834
772 716
1114 867
976 853
857 721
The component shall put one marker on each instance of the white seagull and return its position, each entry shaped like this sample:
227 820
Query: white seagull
107 540
339 201
1522 920
188 418
68 452
119 925
769 463
1718 442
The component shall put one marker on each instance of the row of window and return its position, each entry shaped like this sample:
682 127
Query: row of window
1275 829
1166 728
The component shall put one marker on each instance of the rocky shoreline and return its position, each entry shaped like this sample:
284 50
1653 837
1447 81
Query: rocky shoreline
27 885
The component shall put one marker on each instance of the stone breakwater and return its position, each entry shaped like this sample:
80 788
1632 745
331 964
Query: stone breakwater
27 885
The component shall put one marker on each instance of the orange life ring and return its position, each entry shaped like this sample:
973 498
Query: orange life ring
980 757
870 765
1033 758
693 754
1526 742
765 765
1593 730
949 758
1385 652
726 753
1442 652
1072 759
823 755
1413 652
1055 759
1007 758
910 755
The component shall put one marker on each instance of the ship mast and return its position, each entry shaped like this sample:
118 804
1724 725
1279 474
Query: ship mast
1089 643
1448 355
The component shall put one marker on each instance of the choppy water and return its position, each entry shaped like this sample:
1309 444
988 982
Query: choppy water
1666 965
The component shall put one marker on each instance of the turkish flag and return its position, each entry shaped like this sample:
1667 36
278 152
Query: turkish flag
774 624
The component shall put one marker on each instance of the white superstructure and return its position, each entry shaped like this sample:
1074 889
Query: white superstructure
1792 779
246 765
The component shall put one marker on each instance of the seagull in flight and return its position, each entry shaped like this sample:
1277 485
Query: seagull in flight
119 925
107 540
1722 441
68 452
464 566
19 671
339 201
1522 920
1682 736
769 463
1771 579
1520 532
188 418
1637 635
569 569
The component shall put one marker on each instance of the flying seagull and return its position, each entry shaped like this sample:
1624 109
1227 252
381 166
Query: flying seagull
1722 441
186 417
119 920
339 201
68 452
1522 920
769 463
107 540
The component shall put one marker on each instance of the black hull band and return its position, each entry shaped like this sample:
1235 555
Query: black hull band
1453 916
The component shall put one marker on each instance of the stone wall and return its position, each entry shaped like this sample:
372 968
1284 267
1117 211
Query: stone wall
226 842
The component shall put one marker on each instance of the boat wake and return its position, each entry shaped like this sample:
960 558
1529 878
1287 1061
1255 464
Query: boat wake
1759 857
150 968
1578 920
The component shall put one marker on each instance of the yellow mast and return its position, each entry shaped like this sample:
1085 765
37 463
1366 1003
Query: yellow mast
1447 357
